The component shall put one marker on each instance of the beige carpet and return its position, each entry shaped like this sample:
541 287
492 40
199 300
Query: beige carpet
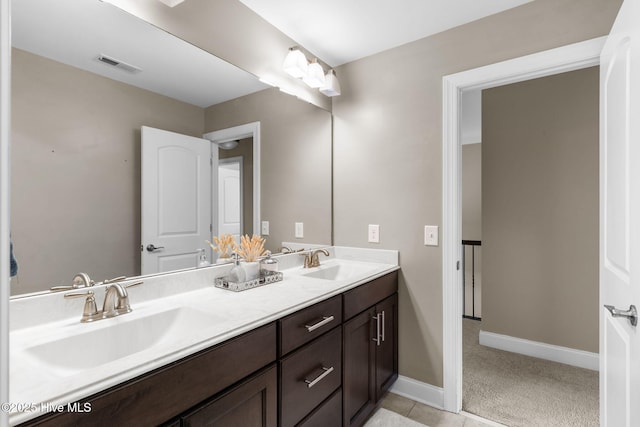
518 390
384 418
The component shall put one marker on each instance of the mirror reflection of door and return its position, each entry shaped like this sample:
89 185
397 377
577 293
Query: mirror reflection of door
230 197
235 197
176 200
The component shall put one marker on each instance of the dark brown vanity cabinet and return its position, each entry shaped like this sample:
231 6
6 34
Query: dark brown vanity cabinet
370 346
323 366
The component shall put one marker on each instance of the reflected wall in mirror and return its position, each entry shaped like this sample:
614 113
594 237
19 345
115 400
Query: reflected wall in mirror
76 144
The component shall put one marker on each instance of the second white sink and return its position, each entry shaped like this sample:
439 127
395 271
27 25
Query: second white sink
341 270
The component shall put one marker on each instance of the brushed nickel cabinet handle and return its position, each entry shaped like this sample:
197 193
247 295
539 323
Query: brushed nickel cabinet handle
311 383
383 322
377 338
324 321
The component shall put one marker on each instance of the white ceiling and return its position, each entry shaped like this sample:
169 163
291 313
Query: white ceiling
341 31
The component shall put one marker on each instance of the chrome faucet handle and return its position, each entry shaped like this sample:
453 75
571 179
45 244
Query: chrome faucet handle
115 279
90 311
80 280
135 284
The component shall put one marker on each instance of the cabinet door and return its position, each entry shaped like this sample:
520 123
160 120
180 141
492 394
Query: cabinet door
358 385
251 404
387 351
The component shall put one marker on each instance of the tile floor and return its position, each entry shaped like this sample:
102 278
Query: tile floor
429 415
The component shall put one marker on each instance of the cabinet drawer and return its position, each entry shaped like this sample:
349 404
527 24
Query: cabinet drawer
327 414
369 294
309 376
309 323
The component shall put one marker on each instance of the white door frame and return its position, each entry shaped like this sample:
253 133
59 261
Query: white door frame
554 61
249 130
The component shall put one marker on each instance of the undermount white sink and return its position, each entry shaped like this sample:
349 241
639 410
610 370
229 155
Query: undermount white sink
100 343
341 270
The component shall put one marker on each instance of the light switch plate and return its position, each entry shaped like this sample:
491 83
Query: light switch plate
374 233
431 235
299 230
264 228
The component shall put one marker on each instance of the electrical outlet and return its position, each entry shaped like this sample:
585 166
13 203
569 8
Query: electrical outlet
431 235
265 228
299 230
374 233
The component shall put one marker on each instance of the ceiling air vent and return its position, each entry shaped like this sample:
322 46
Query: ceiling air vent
118 64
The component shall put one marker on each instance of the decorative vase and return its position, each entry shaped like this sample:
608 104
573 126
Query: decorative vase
251 269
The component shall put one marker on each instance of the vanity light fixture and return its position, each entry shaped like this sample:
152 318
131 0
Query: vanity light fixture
296 64
315 75
331 84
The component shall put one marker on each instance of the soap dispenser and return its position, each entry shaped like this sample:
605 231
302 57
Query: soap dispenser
269 264
202 259
237 273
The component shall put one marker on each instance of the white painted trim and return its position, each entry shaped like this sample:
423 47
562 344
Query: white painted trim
555 353
419 391
238 132
5 197
554 61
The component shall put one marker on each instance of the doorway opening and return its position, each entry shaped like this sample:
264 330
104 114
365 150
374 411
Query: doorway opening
555 61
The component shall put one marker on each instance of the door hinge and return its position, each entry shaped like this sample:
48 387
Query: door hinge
141 248
210 228
457 265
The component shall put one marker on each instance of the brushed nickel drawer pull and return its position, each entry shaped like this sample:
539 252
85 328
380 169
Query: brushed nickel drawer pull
324 321
383 322
326 372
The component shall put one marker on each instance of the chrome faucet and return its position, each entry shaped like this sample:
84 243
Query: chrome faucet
116 302
311 259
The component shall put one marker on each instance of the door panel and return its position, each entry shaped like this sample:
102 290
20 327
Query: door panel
620 219
176 199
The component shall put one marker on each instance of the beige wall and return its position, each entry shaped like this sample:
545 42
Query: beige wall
244 149
540 209
76 170
472 192
387 148
295 162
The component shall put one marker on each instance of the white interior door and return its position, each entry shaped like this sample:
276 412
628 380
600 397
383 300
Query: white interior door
230 197
176 200
620 220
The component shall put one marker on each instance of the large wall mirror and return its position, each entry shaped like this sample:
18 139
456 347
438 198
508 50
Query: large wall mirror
86 77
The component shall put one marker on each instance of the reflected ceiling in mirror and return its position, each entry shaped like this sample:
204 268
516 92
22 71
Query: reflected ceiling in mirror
80 32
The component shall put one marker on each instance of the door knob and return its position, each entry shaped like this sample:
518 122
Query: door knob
631 314
152 248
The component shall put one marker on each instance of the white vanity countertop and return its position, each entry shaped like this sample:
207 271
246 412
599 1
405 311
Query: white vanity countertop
60 360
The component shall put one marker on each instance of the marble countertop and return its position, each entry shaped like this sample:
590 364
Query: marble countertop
200 314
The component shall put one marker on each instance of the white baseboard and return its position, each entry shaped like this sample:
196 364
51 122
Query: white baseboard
419 391
555 353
